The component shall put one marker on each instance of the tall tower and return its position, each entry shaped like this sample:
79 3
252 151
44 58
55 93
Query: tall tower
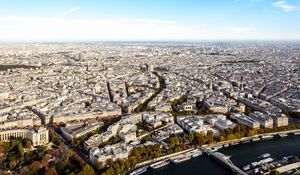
126 89
242 84
210 85
111 98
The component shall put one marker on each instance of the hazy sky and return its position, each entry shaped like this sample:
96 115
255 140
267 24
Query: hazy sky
100 20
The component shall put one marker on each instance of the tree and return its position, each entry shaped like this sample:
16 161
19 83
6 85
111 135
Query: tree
76 143
191 137
12 164
56 153
110 171
210 136
3 146
173 141
110 162
251 133
28 144
86 170
61 147
78 159
222 138
157 154
41 149
45 160
117 168
20 150
69 154
35 166
146 139
156 147
56 140
133 160
274 172
200 138
100 165
50 171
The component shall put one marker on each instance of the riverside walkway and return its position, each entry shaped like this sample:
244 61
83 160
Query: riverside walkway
260 136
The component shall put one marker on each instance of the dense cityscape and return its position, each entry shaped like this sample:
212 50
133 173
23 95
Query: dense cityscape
126 107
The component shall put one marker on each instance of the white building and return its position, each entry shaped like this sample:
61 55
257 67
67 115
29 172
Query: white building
75 130
224 124
211 119
128 132
125 129
243 119
189 107
39 136
191 124
114 152
156 119
280 120
264 120
219 121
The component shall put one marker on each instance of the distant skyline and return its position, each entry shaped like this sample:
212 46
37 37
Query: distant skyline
149 20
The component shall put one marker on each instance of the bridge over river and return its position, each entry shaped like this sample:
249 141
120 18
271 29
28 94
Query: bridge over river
224 160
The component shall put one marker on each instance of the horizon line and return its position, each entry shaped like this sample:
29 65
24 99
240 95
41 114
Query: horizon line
147 41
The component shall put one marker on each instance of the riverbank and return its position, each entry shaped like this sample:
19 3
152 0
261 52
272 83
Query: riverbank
252 138
288 167
219 145
170 156
240 155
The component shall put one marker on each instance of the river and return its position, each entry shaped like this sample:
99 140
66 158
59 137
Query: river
239 154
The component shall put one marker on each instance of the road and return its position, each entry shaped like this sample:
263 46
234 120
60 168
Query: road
70 146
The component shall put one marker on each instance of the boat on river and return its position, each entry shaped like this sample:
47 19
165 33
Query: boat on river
160 164
139 171
181 159
267 137
197 154
265 155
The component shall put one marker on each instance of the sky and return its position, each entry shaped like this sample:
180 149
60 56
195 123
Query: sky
149 20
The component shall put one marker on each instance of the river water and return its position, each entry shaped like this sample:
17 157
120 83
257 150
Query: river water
239 154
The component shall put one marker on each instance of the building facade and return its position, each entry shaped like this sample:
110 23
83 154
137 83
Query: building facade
39 136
